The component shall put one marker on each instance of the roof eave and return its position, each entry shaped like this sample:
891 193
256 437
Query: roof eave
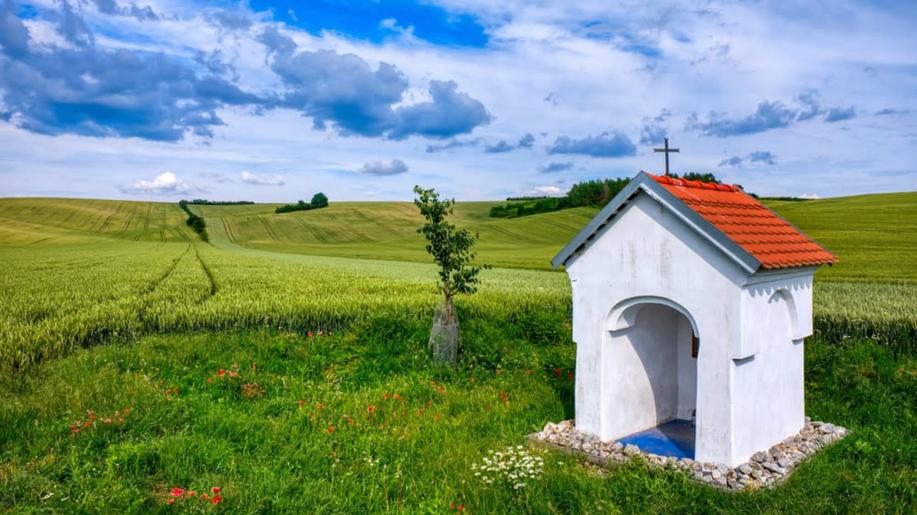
599 220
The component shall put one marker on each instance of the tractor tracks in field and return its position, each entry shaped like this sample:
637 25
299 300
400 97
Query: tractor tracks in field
151 286
207 272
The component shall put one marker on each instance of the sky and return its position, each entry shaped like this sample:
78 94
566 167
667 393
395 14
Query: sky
481 99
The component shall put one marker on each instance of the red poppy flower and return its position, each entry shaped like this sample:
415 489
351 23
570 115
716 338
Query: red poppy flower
528 372
176 492
216 499
460 507
319 405
330 429
221 372
216 489
170 502
309 334
191 493
205 496
569 376
209 380
386 396
556 371
370 408
301 402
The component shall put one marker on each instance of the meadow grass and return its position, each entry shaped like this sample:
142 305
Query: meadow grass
362 422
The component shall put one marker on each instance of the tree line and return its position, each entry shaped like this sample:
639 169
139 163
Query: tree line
594 193
319 200
196 223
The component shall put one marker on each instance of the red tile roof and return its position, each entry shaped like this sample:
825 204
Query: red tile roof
757 229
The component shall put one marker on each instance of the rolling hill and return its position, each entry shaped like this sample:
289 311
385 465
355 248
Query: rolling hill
871 234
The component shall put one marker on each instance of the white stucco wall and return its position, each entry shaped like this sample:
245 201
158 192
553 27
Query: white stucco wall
748 383
776 310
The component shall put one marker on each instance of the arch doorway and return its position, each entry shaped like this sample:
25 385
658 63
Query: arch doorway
660 342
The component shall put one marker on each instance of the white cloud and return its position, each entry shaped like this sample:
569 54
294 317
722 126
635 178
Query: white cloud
166 183
809 196
551 191
262 179
393 167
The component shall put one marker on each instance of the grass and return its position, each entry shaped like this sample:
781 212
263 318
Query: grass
388 230
161 310
411 454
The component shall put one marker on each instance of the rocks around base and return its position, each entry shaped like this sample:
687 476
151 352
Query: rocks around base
764 469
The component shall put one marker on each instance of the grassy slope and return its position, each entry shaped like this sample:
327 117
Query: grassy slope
25 221
872 235
388 230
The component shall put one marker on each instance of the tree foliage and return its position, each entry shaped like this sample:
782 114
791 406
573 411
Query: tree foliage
450 246
319 200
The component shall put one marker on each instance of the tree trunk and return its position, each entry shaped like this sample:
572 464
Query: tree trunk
445 338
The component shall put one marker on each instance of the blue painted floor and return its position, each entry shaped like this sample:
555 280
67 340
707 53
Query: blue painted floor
674 438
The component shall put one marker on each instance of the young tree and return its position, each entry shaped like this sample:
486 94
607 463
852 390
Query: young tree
451 250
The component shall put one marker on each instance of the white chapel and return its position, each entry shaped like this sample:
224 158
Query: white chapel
691 301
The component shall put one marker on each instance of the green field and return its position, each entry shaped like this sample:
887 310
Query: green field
108 304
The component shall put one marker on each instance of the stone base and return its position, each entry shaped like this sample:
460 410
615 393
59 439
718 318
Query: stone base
766 469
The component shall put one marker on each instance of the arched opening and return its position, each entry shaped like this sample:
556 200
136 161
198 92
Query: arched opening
660 343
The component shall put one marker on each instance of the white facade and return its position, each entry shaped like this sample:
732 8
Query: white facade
643 285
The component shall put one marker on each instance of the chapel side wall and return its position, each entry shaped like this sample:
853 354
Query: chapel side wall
777 317
648 251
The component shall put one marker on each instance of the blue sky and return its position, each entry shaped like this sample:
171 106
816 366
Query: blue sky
482 99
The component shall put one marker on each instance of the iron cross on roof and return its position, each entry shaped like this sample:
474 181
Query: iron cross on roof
667 151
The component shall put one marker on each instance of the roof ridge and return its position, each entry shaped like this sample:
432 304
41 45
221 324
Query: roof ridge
687 183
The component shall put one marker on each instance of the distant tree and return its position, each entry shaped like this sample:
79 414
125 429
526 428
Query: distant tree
451 250
595 193
319 200
698 176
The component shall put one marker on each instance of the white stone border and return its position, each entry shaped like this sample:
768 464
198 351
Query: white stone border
764 470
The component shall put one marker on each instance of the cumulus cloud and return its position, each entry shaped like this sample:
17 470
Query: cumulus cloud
761 157
93 91
555 167
734 161
613 144
502 146
809 100
261 179
452 144
166 183
550 191
768 115
653 131
393 167
837 114
111 7
344 90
